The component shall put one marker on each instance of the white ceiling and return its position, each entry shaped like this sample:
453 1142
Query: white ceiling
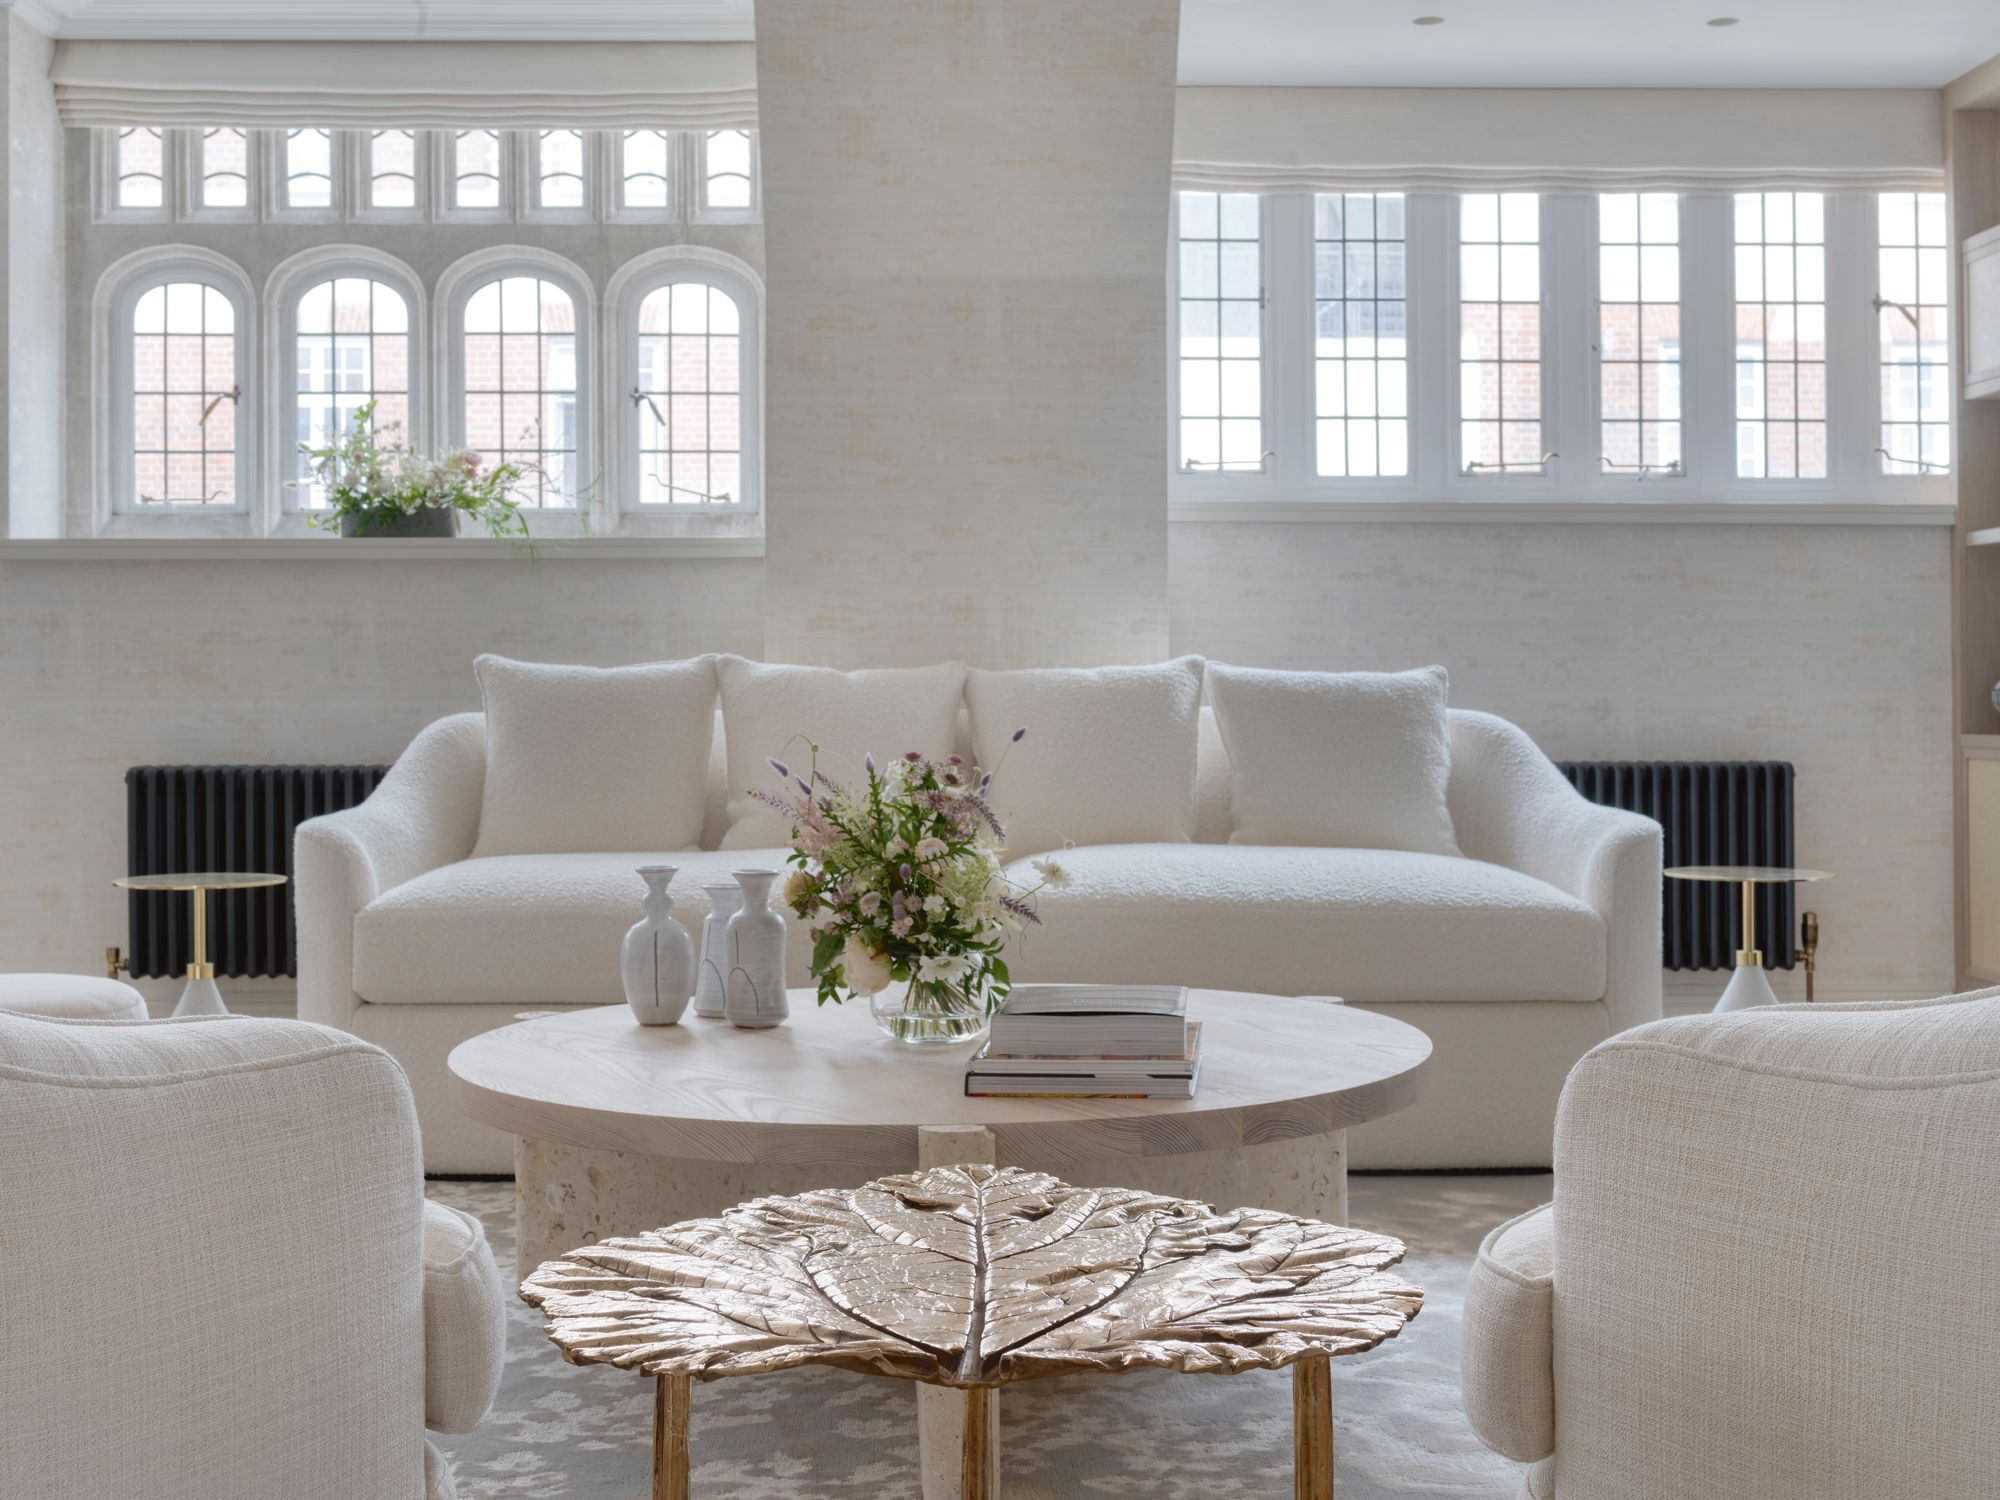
1495 43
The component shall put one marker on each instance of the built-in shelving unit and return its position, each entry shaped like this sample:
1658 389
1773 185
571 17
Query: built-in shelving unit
1972 160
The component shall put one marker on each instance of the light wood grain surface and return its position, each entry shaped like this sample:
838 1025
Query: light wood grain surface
829 1088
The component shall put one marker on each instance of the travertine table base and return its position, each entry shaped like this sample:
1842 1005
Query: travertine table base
967 1278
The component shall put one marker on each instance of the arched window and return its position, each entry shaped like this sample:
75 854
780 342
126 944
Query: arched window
349 321
520 360
173 418
689 354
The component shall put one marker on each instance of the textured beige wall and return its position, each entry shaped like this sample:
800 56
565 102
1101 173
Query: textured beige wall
1828 646
31 219
965 234
110 665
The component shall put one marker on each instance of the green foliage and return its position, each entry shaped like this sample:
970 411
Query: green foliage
379 482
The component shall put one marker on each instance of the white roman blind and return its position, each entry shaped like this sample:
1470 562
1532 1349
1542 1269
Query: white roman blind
407 85
1556 140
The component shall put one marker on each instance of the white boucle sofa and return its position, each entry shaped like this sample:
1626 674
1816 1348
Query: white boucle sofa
1516 959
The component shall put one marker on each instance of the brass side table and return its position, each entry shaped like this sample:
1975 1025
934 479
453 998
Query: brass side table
972 1277
1747 986
200 997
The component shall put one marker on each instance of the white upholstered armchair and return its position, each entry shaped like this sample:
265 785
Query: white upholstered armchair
219 1278
1769 1272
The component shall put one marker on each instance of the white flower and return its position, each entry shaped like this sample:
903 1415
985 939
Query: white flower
865 969
934 905
1053 875
932 848
943 968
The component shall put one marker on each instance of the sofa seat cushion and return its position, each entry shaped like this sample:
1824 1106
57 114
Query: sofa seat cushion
525 929
71 997
1375 926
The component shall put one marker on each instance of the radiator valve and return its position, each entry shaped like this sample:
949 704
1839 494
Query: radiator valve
1809 947
115 963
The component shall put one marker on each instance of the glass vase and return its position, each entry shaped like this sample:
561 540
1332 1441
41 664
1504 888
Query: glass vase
929 1013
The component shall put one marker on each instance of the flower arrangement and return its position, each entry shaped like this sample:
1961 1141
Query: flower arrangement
378 484
899 877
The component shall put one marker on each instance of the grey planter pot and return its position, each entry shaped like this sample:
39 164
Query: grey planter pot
436 520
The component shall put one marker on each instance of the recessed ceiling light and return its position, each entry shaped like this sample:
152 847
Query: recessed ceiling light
1428 21
1723 21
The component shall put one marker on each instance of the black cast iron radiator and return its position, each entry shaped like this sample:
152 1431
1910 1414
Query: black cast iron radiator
181 819
1715 812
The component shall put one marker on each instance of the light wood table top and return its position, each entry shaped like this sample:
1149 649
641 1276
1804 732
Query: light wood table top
828 1087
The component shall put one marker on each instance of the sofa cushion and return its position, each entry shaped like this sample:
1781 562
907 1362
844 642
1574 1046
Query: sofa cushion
525 929
71 997
1109 757
1370 925
1343 760
772 711
594 757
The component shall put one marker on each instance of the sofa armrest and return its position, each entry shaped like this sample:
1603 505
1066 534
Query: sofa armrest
1510 806
1506 1364
424 815
465 1324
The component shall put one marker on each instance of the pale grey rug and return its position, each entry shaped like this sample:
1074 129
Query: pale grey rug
558 1430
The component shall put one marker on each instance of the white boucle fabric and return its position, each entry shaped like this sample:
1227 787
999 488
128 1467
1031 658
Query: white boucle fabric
1504 1342
465 1323
588 758
778 712
1775 1235
1344 759
1109 757
74 997
528 929
1370 925
212 1236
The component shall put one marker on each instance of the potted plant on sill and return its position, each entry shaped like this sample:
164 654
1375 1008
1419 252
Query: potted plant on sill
384 488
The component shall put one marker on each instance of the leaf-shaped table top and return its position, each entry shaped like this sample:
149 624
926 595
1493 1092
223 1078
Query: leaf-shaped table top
975 1276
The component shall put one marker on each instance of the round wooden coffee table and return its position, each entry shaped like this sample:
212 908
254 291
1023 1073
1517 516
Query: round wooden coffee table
620 1128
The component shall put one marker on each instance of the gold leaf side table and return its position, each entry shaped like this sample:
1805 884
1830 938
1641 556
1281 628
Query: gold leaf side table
200 997
1748 987
973 1277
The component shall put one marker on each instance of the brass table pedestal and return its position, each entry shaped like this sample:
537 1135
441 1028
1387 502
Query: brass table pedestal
1747 986
200 997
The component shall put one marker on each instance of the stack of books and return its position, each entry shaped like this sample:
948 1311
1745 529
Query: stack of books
1089 1041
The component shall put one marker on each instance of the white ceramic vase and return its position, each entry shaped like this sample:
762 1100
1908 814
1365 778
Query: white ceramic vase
658 958
711 985
756 989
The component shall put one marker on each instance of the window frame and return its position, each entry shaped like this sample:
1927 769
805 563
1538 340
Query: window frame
1571 394
278 208
445 208
361 191
694 153
288 283
455 287
533 210
636 280
193 180
105 207
117 508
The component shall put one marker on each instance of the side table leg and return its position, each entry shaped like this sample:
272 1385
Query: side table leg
979 1477
945 1431
671 1397
1312 1429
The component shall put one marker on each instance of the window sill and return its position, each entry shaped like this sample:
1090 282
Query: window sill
1619 512
328 549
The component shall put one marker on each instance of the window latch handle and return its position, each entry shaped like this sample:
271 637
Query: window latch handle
234 393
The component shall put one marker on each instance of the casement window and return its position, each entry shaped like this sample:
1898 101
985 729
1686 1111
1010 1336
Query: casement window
726 176
1220 373
520 334
394 161
225 168
476 177
1500 333
170 415
1913 266
348 326
688 422
307 181
560 165
644 170
1376 346
140 165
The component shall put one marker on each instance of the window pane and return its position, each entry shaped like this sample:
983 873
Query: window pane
644 168
686 391
1780 336
183 395
352 347
1638 333
309 168
1361 343
141 168
1500 333
520 384
225 169
1913 323
476 169
392 169
561 168
1221 322
726 169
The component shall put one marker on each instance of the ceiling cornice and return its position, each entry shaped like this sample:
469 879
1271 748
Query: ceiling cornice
390 20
